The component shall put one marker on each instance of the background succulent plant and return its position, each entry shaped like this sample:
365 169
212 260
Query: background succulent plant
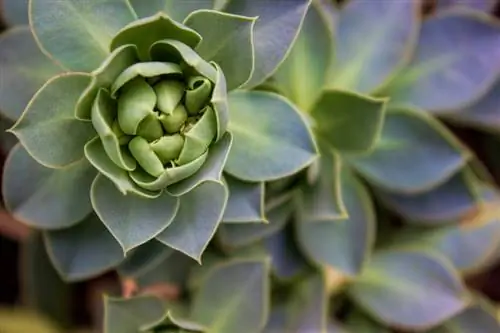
378 234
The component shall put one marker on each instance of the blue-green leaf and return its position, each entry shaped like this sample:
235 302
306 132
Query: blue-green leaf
264 141
83 251
482 5
15 12
144 258
227 40
245 203
234 297
84 29
46 198
410 290
309 306
196 221
476 318
48 130
404 159
440 77
24 67
303 74
131 219
177 10
359 323
277 27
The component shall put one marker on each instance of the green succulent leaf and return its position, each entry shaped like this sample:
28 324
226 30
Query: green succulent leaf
347 121
264 141
359 323
343 245
196 221
24 67
234 297
277 27
321 199
144 258
246 202
143 33
132 220
404 159
373 40
46 198
234 236
219 102
408 289
84 29
482 5
83 251
227 40
15 12
440 77
447 202
302 76
96 155
132 315
44 126
104 76
177 10
172 268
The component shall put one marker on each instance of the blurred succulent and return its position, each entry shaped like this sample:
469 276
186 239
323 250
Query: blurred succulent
156 118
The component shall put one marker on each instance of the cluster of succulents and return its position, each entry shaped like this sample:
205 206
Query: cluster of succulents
285 165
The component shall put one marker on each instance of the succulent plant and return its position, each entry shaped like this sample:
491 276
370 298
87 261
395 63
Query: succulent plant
378 234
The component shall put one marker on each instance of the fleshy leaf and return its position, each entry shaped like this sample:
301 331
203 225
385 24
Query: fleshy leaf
359 323
309 306
24 67
404 159
227 40
177 10
132 315
144 32
411 290
476 318
84 29
120 59
95 153
46 198
246 202
219 102
234 297
83 251
277 27
450 201
347 121
239 235
302 76
440 77
144 258
483 5
131 219
322 198
48 130
15 12
264 141
211 170
373 40
199 214
343 245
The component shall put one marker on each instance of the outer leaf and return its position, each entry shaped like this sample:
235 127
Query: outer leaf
275 31
347 121
409 289
245 203
48 130
234 297
83 251
144 258
450 201
46 198
84 29
440 77
131 219
227 40
132 315
342 245
373 39
476 318
199 214
144 32
211 170
309 307
15 12
404 159
359 323
177 10
264 141
24 67
173 268
483 5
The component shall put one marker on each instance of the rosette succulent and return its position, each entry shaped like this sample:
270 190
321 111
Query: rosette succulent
140 123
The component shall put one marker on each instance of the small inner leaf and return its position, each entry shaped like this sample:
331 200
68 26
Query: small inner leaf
197 94
169 94
145 156
136 101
